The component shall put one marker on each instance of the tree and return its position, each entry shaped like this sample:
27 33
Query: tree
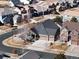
58 19
74 19
60 56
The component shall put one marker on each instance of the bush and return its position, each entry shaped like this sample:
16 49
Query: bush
74 19
58 19
60 56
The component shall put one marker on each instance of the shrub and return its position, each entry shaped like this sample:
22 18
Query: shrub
60 56
74 19
58 19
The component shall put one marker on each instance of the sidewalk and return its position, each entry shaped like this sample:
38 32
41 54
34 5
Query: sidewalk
73 51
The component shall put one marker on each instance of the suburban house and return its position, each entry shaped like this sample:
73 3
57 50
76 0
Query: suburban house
48 30
73 27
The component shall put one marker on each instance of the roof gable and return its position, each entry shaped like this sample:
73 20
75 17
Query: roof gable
50 24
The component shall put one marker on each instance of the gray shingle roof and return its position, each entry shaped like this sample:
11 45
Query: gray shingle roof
47 27
7 11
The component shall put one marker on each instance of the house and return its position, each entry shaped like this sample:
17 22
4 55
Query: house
48 30
73 27
6 15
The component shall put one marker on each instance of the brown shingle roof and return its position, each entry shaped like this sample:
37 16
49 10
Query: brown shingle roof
71 25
